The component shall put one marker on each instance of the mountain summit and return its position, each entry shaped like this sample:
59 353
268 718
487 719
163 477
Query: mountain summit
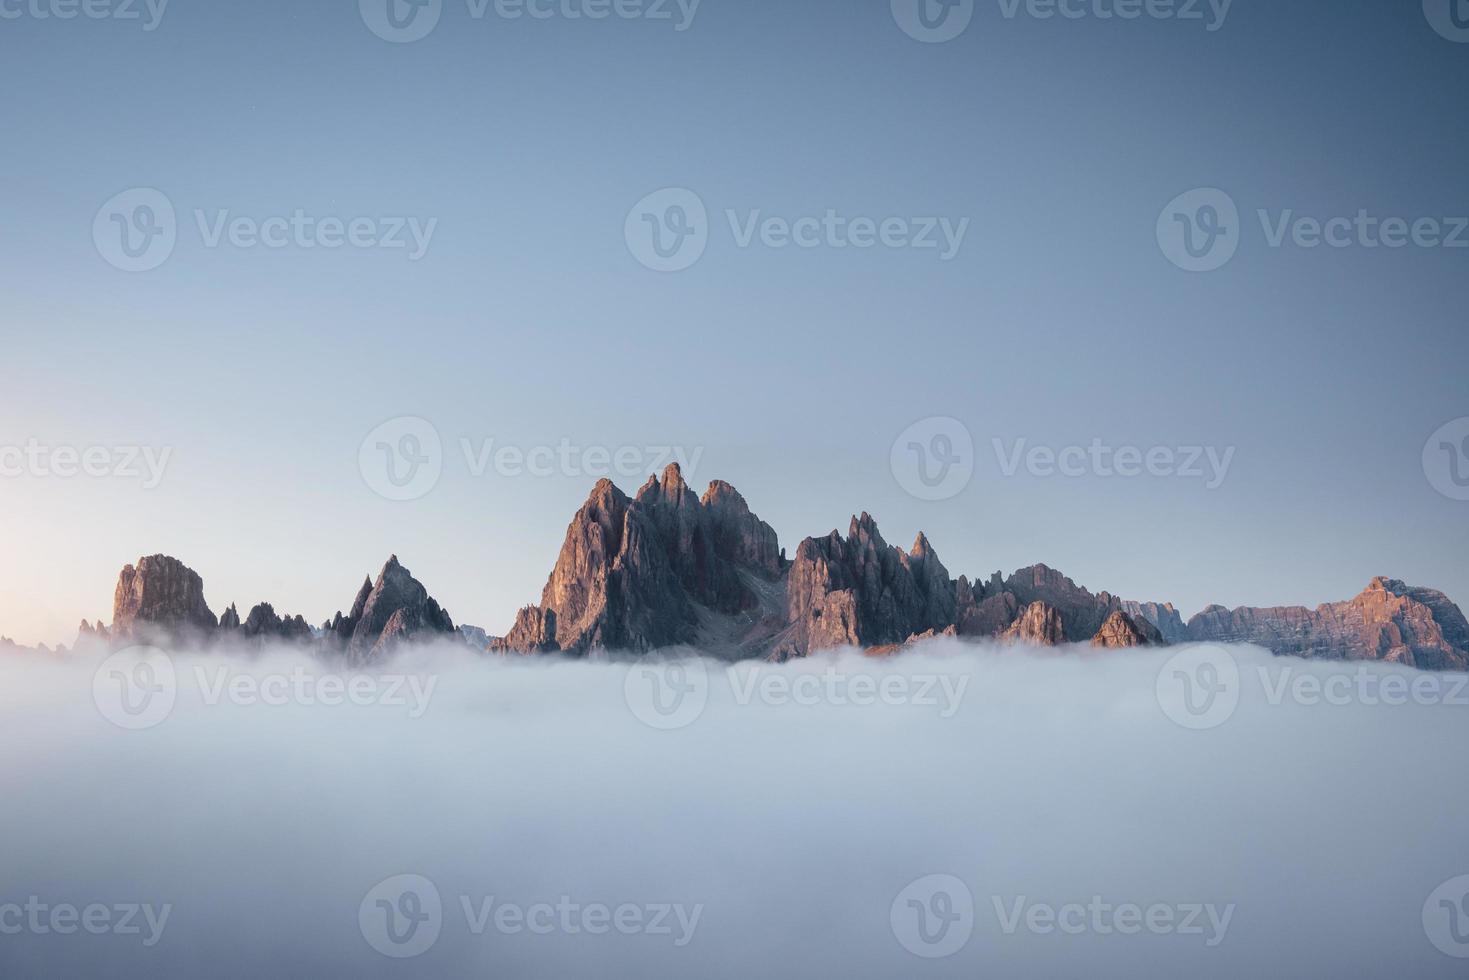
668 568
160 602
661 569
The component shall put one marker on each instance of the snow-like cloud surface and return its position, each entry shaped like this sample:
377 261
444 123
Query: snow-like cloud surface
952 812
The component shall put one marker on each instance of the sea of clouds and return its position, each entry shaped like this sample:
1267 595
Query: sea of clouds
956 811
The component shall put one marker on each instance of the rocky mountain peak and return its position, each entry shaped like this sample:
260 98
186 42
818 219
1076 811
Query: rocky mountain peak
670 486
397 599
647 572
863 531
862 592
724 496
1037 625
667 568
1081 612
160 600
263 624
1122 630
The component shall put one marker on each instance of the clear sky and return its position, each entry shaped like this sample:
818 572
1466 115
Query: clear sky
529 320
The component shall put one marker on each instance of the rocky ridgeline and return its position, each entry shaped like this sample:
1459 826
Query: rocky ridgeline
393 610
1388 621
160 602
668 568
658 570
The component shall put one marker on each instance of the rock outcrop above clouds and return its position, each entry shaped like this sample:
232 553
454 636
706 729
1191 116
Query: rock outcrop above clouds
665 569
1162 616
92 636
1038 625
262 625
1123 630
476 637
393 610
1387 621
1081 612
160 602
669 568
861 591
265 624
660 569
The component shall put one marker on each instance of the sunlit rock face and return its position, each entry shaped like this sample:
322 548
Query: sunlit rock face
1387 621
160 600
1121 630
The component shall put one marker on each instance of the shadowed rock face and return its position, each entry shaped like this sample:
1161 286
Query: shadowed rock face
1388 621
642 573
740 538
1121 630
1081 612
396 609
160 600
1162 616
861 591
264 624
339 628
613 585
990 617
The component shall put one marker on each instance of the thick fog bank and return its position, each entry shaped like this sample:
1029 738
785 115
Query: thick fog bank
952 812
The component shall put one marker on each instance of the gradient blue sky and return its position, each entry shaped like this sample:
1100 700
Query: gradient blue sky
529 321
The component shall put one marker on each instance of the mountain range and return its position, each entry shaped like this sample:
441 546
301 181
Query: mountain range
668 568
